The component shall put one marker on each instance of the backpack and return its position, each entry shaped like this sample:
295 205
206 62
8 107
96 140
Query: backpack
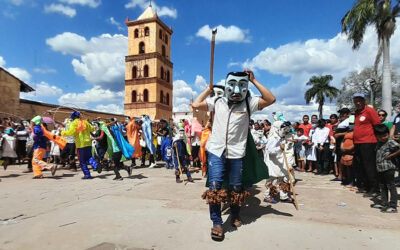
347 147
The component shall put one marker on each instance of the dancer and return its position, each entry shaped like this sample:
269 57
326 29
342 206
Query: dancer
180 156
278 183
39 147
81 129
227 144
148 135
132 132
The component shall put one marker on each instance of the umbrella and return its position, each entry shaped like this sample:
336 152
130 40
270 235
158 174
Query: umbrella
48 120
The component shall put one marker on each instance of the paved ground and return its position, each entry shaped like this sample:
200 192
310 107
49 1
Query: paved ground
150 211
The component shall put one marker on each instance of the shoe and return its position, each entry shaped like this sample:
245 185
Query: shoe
152 165
86 177
270 200
178 180
371 194
38 177
53 170
118 178
190 179
99 168
129 170
288 200
377 205
389 210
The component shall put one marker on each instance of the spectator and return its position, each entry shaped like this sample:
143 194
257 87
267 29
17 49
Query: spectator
9 146
342 128
314 119
320 140
22 136
306 126
365 145
382 116
395 131
387 150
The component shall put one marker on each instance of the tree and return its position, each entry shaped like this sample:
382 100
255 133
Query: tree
356 82
320 90
382 14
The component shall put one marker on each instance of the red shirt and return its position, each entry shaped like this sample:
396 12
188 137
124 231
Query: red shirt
363 125
330 126
306 128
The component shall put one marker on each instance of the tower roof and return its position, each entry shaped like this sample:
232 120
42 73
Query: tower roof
148 13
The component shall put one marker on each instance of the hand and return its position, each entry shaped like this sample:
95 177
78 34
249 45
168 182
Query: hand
321 148
282 146
251 75
389 157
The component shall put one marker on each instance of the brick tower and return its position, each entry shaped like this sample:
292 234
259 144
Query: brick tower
148 69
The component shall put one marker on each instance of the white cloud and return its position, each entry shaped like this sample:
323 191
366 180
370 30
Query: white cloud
2 61
60 8
182 95
161 11
90 3
299 61
93 95
225 34
200 82
44 70
101 59
110 108
22 74
112 21
42 89
16 2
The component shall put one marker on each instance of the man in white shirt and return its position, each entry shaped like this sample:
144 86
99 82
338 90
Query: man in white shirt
227 143
320 140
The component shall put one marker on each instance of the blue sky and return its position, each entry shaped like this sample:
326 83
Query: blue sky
72 51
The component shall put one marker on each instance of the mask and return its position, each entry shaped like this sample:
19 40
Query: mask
218 91
236 86
284 129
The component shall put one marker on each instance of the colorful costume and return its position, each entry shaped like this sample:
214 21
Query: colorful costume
134 138
39 147
81 129
180 151
278 183
167 152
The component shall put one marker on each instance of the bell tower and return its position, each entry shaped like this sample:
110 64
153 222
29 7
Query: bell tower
148 69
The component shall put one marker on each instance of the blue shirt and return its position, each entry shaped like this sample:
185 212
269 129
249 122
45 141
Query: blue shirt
39 140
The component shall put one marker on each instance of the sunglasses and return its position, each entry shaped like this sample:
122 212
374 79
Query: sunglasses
382 115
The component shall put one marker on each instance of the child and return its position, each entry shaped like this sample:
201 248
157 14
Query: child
180 153
300 140
9 146
387 151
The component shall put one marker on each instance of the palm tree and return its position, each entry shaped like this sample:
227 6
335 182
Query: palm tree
320 90
382 14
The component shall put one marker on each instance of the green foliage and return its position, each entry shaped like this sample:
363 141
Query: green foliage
320 91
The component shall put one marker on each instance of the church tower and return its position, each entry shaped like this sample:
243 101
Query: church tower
148 69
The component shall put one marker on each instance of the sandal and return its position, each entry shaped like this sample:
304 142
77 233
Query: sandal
217 233
236 221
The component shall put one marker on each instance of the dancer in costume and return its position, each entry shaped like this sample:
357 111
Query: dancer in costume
100 143
81 129
148 138
39 147
167 152
119 147
227 144
132 132
278 183
180 151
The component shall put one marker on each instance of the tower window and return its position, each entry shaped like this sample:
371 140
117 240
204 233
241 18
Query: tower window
145 95
146 31
166 38
162 72
161 96
134 96
163 50
146 71
167 99
136 33
160 35
168 76
134 72
141 48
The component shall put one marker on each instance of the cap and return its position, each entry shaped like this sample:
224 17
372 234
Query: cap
344 111
359 95
75 115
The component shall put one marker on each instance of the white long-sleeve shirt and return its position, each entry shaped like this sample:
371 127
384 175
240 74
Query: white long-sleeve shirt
320 136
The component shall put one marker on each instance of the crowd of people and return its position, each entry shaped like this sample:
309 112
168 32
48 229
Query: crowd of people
360 148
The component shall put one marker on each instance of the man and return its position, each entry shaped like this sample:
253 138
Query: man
227 143
342 128
67 155
306 126
81 130
395 131
314 119
365 145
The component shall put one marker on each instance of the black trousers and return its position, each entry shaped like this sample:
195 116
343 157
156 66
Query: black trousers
145 151
386 185
365 163
323 159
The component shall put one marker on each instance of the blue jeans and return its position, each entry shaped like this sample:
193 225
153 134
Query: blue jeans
218 167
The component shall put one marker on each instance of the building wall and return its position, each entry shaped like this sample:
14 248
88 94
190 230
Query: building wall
9 93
